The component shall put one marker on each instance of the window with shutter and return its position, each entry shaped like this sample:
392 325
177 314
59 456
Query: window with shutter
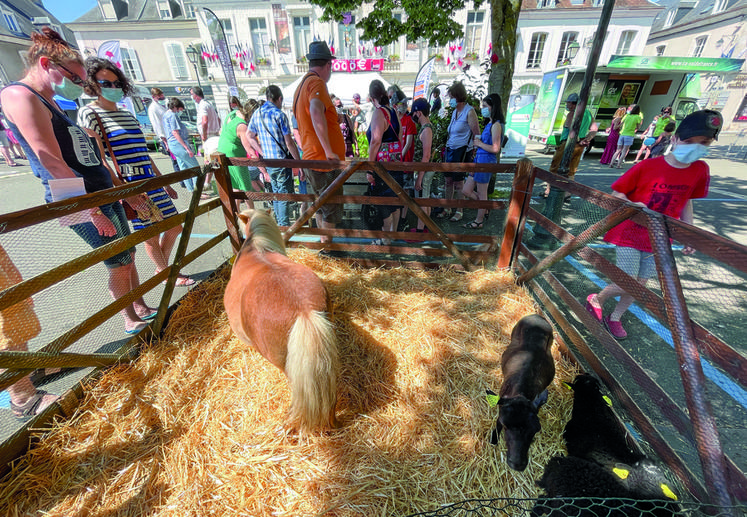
177 61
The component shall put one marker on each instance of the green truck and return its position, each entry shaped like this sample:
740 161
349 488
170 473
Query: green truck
653 82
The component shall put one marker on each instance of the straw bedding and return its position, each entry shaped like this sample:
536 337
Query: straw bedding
195 426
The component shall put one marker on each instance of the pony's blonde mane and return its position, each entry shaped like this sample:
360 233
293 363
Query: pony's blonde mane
261 232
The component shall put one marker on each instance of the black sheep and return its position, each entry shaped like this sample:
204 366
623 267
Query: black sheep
528 368
626 490
594 431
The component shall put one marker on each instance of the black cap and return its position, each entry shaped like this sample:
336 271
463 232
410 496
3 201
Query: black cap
319 50
422 105
706 123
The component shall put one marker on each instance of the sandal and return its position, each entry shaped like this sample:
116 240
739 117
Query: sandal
456 217
445 213
33 406
474 225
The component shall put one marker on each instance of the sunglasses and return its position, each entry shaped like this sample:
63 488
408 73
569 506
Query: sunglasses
109 84
75 78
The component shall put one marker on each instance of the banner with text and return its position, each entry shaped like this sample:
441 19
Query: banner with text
221 48
423 79
282 29
520 109
357 65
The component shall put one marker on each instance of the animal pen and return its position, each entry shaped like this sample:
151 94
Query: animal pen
180 420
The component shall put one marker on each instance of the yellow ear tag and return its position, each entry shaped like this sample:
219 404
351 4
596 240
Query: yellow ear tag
568 386
668 492
621 473
492 399
232 260
607 400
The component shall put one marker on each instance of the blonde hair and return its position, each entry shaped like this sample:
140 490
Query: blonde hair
620 113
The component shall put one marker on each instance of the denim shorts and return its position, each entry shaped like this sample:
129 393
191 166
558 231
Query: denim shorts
624 141
89 233
636 263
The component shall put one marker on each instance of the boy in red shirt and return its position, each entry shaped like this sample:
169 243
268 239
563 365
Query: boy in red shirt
666 184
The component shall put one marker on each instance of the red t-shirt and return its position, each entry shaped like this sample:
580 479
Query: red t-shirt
408 128
662 188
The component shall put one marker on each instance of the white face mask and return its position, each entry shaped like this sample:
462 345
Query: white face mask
689 153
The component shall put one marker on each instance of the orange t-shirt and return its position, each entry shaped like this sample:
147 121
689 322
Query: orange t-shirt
314 87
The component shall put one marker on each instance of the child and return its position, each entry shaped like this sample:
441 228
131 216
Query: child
663 140
666 184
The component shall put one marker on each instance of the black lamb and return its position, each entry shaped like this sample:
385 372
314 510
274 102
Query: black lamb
594 431
620 490
528 368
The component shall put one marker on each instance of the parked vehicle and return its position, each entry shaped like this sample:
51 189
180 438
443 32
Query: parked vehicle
653 82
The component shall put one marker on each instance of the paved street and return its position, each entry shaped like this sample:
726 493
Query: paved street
38 249
69 302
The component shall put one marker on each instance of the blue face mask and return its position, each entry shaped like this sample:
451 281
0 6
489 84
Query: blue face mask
67 89
689 153
112 94
485 112
452 103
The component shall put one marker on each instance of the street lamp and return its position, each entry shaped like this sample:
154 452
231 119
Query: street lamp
193 55
572 50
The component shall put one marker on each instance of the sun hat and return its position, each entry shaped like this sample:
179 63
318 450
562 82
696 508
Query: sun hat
319 50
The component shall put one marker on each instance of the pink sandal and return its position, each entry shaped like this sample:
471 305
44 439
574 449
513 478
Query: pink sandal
597 313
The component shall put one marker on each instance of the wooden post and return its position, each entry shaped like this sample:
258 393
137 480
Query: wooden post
693 380
521 194
227 199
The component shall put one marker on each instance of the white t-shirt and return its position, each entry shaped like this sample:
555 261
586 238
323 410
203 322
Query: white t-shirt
155 115
204 108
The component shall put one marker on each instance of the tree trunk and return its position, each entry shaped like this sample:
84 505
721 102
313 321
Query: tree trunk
504 20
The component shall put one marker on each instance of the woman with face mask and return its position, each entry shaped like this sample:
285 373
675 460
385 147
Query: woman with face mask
131 159
462 128
57 149
488 151
666 184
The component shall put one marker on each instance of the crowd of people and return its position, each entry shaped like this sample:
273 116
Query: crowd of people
106 147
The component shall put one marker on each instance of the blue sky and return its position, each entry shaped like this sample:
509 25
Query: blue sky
68 10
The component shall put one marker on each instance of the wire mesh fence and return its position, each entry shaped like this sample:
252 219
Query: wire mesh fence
580 507
639 353
714 292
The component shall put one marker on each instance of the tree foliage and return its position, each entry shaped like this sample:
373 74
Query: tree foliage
434 21
431 20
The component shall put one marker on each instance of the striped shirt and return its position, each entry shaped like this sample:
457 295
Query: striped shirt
271 125
124 134
131 153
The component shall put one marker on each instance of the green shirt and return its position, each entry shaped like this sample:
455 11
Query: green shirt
629 124
583 129
661 124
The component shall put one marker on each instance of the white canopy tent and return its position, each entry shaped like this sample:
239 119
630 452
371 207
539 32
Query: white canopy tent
342 84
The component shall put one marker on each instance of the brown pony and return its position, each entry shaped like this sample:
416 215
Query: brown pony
280 308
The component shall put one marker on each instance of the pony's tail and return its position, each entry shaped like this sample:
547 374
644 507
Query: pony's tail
312 365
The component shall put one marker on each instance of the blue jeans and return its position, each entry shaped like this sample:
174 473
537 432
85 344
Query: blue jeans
185 161
281 179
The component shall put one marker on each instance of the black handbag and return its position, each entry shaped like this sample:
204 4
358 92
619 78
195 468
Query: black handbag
370 214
